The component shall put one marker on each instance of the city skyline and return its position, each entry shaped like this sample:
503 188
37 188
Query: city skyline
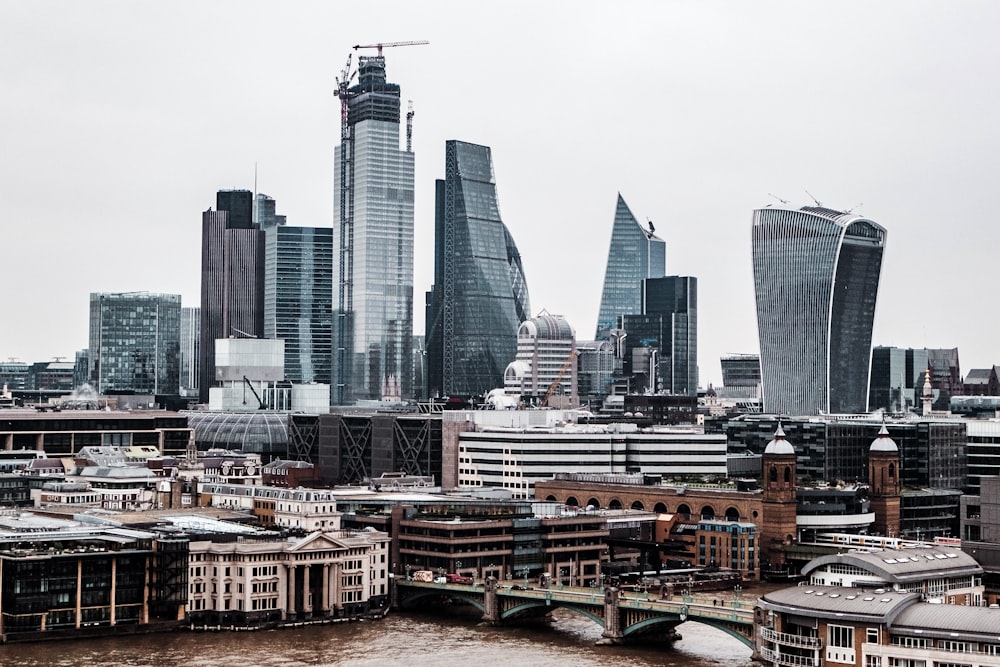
887 105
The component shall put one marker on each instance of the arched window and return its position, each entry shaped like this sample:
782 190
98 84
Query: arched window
637 505
707 512
615 504
660 508
892 471
788 475
572 501
594 502
774 475
732 514
684 509
550 498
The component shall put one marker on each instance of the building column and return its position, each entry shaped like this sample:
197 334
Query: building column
291 591
307 605
79 590
114 587
325 599
491 607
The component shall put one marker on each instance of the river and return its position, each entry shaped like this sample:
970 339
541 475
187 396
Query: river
403 638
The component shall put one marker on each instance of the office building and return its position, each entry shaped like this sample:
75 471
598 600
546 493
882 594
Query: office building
373 244
740 370
544 369
135 343
897 379
298 294
480 296
636 253
232 278
662 342
190 347
816 274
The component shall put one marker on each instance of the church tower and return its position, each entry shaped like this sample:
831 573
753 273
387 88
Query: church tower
777 525
883 483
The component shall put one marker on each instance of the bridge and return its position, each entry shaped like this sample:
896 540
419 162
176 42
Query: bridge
624 615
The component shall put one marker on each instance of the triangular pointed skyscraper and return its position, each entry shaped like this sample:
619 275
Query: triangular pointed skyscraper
636 253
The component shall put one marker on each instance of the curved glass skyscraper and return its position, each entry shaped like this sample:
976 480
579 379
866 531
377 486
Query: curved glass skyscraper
816 275
479 297
636 253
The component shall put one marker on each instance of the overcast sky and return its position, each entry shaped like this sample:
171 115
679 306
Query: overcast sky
120 120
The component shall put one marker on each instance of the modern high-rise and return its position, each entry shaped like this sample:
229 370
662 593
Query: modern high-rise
190 344
298 293
636 253
135 343
544 370
232 278
662 343
816 275
480 296
373 244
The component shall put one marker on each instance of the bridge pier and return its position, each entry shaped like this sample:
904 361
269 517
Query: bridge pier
491 606
613 632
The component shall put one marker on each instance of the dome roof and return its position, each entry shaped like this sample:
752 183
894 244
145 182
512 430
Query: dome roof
883 443
779 445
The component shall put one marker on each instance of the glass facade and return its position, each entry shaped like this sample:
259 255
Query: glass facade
373 246
816 275
897 379
480 295
190 344
298 298
635 254
135 343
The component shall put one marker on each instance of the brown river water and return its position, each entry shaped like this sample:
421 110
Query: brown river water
411 639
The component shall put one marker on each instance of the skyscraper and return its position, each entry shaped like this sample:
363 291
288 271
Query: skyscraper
135 342
298 293
816 274
663 340
232 278
373 244
190 344
636 253
480 296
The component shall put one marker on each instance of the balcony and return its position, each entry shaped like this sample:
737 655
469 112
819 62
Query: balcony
776 658
791 640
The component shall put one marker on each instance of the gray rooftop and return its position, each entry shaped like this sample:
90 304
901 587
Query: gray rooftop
949 621
839 603
904 565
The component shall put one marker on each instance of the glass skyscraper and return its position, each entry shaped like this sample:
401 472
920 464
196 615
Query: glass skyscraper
298 294
480 296
636 253
135 343
816 275
373 245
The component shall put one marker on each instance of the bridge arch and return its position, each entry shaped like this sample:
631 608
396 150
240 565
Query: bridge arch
475 601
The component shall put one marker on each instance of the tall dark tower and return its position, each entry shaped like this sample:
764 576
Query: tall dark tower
777 527
884 485
232 278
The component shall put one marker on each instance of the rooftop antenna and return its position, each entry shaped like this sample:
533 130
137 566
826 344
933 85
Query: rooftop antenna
818 202
783 201
858 205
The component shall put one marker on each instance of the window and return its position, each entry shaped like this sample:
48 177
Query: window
840 636
872 636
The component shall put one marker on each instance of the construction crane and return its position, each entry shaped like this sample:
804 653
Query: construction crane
381 45
559 377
